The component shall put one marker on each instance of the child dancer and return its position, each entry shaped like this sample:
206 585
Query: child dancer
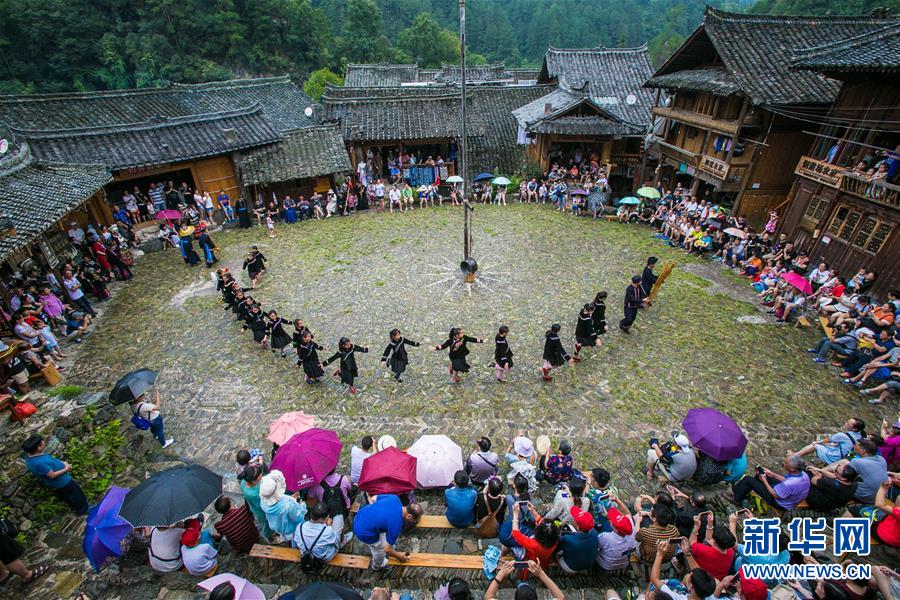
270 225
599 313
456 341
278 338
396 350
502 354
255 264
347 353
585 334
554 353
308 357
256 323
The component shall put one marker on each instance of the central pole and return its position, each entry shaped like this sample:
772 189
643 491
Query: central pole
463 140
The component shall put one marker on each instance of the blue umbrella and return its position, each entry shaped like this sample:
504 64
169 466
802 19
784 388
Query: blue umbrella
483 176
631 200
105 529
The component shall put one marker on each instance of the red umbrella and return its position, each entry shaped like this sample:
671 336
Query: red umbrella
390 471
798 281
308 457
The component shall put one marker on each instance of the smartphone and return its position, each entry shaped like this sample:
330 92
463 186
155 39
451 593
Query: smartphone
760 470
520 564
746 511
654 442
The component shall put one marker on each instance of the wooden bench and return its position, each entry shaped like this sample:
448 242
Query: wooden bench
826 327
610 217
436 522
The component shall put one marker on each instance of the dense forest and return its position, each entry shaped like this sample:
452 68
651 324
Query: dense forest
61 45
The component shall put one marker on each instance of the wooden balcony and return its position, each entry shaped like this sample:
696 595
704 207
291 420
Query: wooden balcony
675 154
697 119
880 192
821 171
713 166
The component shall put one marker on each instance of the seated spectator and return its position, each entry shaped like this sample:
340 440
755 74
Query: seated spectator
884 390
491 501
379 524
716 553
880 368
696 585
236 525
614 547
602 497
283 512
837 445
482 464
890 449
460 498
885 516
885 341
556 468
735 468
320 534
661 527
784 491
830 493
524 590
782 557
578 550
677 462
358 454
870 467
522 461
841 342
568 495
198 553
687 508
165 548
542 544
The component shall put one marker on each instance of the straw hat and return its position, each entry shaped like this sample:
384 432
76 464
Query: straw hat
6 350
271 487
186 231
386 441
542 444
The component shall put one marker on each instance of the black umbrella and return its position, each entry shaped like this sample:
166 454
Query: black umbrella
323 591
132 385
171 496
483 177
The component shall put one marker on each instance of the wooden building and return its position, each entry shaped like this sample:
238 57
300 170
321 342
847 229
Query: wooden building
598 106
837 212
731 126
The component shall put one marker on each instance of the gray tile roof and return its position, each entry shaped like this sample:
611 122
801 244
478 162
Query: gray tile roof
155 142
282 102
582 125
380 75
877 50
35 195
474 74
612 77
716 80
757 51
303 153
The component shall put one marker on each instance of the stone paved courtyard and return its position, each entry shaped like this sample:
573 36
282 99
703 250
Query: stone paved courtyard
363 275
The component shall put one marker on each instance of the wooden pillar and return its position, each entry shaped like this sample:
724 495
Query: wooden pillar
737 200
649 133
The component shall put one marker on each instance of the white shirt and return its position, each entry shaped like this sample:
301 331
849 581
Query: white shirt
207 202
165 549
73 287
76 235
199 559
379 190
357 456
144 410
395 195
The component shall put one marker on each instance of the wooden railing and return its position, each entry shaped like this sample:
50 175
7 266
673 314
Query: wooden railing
819 170
876 191
713 166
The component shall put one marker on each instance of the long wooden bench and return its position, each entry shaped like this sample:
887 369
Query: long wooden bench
425 522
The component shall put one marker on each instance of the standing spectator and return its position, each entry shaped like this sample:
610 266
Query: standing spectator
76 295
150 411
460 498
482 464
357 455
251 477
156 197
283 512
236 525
335 492
379 524
54 474
10 564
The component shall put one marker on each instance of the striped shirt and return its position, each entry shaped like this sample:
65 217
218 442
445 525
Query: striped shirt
650 536
239 528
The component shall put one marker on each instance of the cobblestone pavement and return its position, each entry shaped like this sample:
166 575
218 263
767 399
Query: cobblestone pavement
363 275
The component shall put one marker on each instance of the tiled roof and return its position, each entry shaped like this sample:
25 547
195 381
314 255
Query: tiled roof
716 80
380 75
474 74
757 51
611 77
35 195
154 142
282 102
384 75
303 153
582 125
877 50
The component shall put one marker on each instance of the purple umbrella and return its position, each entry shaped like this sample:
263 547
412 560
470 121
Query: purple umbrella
105 529
308 457
714 433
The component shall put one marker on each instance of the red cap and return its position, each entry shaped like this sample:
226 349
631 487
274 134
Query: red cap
621 523
753 589
584 521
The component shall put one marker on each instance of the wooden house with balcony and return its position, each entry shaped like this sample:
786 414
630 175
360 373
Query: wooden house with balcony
734 113
838 211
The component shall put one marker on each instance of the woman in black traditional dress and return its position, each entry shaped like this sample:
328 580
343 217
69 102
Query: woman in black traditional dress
554 353
255 264
243 214
307 355
256 322
207 245
243 309
347 353
278 338
456 341
396 350
585 334
502 354
599 314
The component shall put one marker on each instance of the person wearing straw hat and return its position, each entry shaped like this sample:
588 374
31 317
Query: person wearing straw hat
283 512
185 235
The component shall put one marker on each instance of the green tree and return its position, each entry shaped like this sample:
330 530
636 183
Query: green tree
427 43
362 38
315 84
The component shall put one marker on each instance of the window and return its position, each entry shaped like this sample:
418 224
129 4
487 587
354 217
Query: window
844 222
815 210
872 235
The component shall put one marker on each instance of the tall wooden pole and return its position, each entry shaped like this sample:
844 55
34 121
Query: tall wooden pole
463 140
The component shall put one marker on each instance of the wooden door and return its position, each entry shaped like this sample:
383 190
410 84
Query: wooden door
214 174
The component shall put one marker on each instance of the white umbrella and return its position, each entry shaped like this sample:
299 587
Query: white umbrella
438 459
501 181
454 179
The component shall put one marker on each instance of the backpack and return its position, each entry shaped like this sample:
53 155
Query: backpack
488 526
333 498
309 563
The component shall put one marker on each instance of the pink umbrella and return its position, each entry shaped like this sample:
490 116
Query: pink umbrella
439 458
168 215
243 589
798 281
734 231
288 425
308 457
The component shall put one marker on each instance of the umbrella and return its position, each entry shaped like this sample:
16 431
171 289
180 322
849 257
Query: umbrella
798 281
579 193
630 200
738 233
501 181
168 214
454 179
171 496
439 459
105 529
132 385
714 433
483 177
243 589
308 457
390 471
648 192
324 590
288 425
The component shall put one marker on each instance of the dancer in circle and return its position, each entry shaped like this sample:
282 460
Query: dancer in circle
207 245
634 299
256 322
187 247
348 370
456 342
308 357
648 277
599 313
396 350
255 264
585 334
502 354
554 353
278 338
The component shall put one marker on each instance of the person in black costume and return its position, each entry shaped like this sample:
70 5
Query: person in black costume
299 330
278 338
634 299
554 353
243 309
456 342
308 357
396 350
207 245
347 353
599 313
186 235
255 264
502 354
243 214
256 322
585 334
648 277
